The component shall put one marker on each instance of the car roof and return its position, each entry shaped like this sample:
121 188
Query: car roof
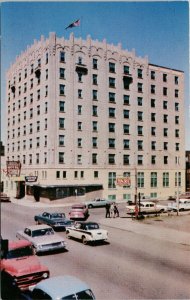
36 227
147 202
61 286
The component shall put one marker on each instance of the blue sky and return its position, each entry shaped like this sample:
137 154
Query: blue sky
156 29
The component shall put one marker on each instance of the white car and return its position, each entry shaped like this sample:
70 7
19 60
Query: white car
87 232
147 208
184 204
43 238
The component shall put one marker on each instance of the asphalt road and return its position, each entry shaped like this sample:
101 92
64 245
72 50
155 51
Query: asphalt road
130 266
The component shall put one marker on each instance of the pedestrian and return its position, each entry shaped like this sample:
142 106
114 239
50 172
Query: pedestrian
107 210
112 210
116 211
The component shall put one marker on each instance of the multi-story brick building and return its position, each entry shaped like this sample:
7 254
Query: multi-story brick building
82 115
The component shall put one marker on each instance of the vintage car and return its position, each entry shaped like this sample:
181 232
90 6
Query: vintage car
57 221
87 232
79 212
98 202
147 208
184 204
62 287
4 197
43 238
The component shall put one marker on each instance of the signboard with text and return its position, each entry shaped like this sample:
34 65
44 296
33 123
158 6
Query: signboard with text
124 181
31 178
13 168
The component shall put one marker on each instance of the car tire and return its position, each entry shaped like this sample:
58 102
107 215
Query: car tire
90 206
84 240
161 211
67 235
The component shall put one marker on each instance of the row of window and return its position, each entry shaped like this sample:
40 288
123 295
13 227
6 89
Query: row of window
111 143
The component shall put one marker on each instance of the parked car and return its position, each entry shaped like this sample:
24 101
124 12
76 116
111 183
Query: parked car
184 204
147 208
79 212
57 221
4 197
98 202
87 232
43 238
62 287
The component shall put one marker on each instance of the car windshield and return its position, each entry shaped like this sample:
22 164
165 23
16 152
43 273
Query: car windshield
20 252
58 215
84 295
92 226
41 232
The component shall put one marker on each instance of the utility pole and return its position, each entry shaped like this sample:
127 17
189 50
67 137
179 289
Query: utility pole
177 186
136 205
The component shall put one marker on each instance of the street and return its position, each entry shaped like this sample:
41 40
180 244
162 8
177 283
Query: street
130 266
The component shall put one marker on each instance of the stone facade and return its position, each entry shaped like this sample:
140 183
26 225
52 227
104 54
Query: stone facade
83 113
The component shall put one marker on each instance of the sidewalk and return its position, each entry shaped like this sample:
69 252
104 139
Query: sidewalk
33 203
153 231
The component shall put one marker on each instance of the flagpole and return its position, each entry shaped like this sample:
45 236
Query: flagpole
81 26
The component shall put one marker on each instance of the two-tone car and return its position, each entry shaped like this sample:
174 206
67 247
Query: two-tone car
87 232
79 212
43 238
57 221
98 202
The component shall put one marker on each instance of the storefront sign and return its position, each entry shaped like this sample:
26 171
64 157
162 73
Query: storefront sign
31 178
13 168
124 181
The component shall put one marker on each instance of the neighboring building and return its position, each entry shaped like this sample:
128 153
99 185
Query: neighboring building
187 171
84 116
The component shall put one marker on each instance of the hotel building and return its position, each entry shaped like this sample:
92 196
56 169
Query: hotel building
91 119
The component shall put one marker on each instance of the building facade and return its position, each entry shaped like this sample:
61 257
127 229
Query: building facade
91 119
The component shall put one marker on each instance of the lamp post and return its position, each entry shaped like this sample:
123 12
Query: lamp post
177 199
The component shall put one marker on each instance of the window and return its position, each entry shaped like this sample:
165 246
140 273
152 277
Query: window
177 182
94 158
38 126
31 113
57 174
177 146
126 159
112 180
165 160
177 133
165 104
94 79
80 60
164 77
126 114
79 108
140 159
126 99
19 90
62 56
140 116
140 145
62 73
140 179
61 106
25 87
38 142
111 112
125 129
139 101
31 68
152 75
79 142
94 142
126 144
94 94
165 118
24 130
62 89
139 73
79 93
64 174
30 159
96 174
38 94
165 145
152 89
46 58
176 119
38 110
95 126
79 159
140 130
31 98
61 157
76 174
46 74
153 145
39 62
45 141
112 97
111 82
61 140
95 63
61 123
176 93
153 159
25 73
30 143
153 117
79 126
165 91
140 87
153 131
176 80
79 77
46 90
126 70
94 111
153 103
176 106
111 159
165 179
111 67
46 107
111 143
153 179
165 132
111 127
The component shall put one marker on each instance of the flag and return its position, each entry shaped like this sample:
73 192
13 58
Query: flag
74 24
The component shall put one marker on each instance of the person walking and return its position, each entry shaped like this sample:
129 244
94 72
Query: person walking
116 211
107 210
112 210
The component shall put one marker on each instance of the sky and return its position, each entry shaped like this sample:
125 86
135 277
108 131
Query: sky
159 30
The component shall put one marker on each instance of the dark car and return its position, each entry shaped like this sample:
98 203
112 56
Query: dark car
57 221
